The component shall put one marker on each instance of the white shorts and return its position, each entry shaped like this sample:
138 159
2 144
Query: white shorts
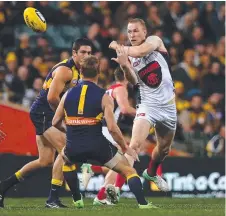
166 115
108 136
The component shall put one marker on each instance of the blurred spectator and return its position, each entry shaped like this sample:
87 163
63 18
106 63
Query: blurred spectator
3 72
11 63
64 55
120 15
90 14
43 48
94 35
18 85
171 18
186 72
214 81
48 12
195 117
177 43
106 74
216 146
153 19
33 72
24 47
215 109
32 93
104 8
210 22
220 52
68 15
181 103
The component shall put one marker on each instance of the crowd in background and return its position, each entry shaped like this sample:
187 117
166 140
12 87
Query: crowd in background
193 32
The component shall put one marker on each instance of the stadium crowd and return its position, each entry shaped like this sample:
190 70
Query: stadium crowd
194 33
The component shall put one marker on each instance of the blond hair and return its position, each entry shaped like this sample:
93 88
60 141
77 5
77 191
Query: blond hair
138 20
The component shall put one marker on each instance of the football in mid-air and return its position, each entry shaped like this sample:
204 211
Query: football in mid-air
35 20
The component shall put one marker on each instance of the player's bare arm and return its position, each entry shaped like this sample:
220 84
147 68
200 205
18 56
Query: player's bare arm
58 119
151 43
108 108
61 76
121 96
122 59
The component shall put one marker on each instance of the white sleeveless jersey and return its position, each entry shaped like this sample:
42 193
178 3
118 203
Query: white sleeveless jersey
155 86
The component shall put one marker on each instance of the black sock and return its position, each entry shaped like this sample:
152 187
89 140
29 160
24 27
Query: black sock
71 178
54 191
135 186
8 183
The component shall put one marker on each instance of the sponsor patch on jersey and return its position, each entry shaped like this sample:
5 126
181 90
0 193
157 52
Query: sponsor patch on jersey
151 74
140 114
136 63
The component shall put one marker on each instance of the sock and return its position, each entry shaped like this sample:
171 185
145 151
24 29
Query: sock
54 191
152 167
71 178
101 194
9 182
136 187
96 169
120 181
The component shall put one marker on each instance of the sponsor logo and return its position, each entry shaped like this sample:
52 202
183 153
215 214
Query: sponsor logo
136 63
151 74
140 114
212 182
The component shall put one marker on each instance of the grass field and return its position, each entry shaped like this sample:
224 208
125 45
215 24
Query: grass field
126 207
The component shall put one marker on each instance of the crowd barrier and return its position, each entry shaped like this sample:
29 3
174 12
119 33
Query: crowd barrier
187 177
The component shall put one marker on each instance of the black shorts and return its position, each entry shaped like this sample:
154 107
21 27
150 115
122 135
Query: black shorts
41 121
97 149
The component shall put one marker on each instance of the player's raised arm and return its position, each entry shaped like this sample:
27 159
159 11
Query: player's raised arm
61 77
59 115
151 43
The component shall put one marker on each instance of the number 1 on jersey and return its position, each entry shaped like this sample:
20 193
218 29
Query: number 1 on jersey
82 99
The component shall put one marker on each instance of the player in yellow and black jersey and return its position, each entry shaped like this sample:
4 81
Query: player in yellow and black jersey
49 140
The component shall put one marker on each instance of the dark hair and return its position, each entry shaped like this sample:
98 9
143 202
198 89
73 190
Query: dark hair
90 66
81 42
119 74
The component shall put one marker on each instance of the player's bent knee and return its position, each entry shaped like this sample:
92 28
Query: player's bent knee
128 171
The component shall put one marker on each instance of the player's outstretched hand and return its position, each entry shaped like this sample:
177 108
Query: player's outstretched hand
132 153
122 57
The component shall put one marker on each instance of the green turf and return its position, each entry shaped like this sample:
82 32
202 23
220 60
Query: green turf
126 207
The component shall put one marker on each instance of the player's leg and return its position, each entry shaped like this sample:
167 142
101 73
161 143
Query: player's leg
46 158
164 137
71 177
88 171
109 181
120 164
141 128
57 140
